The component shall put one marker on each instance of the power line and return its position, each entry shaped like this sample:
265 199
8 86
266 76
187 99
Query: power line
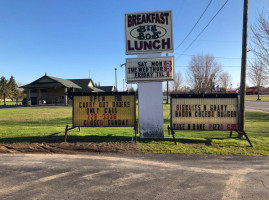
214 57
221 41
219 57
205 27
194 24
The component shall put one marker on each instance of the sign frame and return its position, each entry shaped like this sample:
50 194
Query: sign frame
203 96
150 71
160 50
103 94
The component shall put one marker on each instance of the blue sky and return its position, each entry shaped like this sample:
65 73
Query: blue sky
82 38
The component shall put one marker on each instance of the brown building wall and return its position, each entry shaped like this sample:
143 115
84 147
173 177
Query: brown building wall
50 95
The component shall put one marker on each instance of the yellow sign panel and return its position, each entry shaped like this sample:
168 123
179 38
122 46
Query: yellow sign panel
201 113
102 110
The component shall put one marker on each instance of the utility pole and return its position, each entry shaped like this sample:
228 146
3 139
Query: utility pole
243 71
123 85
116 78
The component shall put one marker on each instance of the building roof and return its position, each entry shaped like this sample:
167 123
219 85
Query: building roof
51 82
95 89
107 88
86 85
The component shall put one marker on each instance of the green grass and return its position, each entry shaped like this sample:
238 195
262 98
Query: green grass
9 103
255 97
48 125
45 124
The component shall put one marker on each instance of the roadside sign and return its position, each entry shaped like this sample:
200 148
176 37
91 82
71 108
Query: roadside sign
149 69
148 32
105 109
218 112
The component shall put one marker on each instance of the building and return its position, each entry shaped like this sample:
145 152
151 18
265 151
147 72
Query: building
52 90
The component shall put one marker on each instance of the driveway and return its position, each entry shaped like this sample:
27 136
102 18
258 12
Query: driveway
119 176
260 106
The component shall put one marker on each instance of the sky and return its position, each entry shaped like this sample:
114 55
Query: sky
73 39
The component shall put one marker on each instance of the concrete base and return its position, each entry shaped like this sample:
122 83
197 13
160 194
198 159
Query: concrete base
150 107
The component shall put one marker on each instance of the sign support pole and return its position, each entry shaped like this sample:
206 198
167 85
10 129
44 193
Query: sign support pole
150 105
149 39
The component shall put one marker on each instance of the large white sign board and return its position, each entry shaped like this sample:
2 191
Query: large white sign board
149 69
148 32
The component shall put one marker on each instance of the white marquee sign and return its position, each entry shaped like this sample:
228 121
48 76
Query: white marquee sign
148 32
149 69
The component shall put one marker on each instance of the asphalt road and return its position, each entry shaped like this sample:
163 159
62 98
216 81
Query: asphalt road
262 106
118 176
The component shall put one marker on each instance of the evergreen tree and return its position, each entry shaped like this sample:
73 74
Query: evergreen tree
3 89
13 92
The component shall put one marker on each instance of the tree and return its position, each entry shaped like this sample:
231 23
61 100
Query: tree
176 84
260 42
3 89
131 89
256 75
12 88
202 71
225 80
21 92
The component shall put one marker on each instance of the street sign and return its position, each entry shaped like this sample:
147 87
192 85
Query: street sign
218 112
149 69
148 32
105 109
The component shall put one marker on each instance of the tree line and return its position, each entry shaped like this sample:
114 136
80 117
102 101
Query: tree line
204 74
9 89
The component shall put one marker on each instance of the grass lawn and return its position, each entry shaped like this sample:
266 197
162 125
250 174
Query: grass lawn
255 97
47 125
9 103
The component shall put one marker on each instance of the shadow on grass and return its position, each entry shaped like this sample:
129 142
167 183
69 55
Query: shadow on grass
56 138
206 141
53 138
40 122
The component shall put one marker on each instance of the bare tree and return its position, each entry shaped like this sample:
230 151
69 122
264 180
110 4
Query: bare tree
257 75
202 71
225 80
260 41
177 83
